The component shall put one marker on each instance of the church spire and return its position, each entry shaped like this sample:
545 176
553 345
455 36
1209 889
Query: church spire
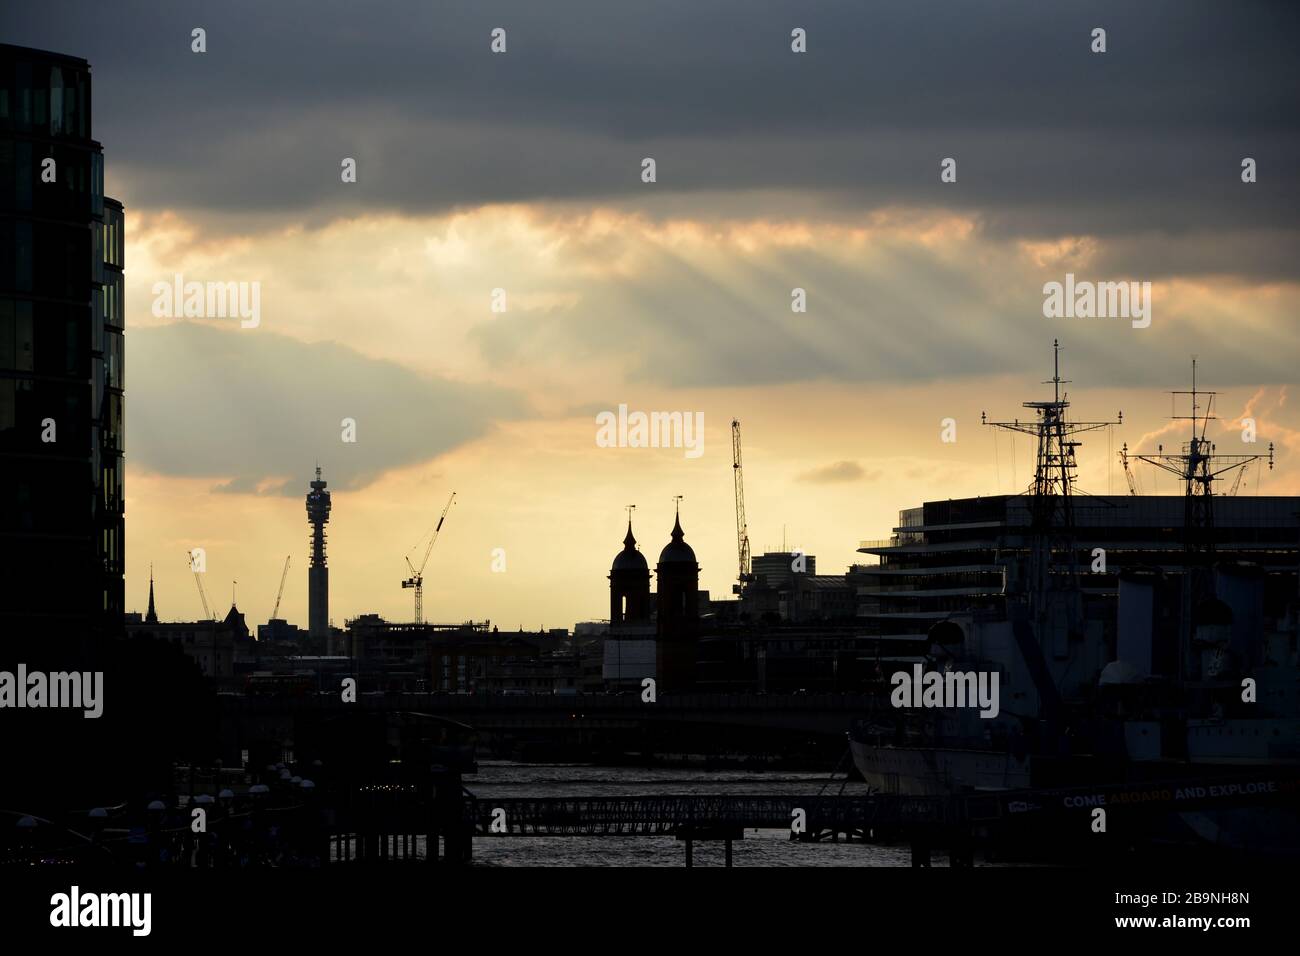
152 616
629 543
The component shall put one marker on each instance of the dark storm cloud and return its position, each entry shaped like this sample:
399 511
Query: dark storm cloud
260 408
1050 139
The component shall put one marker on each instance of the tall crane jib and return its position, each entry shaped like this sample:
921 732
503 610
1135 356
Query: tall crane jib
280 593
1125 459
203 597
416 580
744 576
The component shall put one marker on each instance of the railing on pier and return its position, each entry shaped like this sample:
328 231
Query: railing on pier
400 823
670 814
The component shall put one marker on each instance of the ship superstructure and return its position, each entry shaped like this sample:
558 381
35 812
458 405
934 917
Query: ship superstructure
1128 646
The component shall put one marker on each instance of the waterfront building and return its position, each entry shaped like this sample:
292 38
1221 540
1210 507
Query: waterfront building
968 554
61 355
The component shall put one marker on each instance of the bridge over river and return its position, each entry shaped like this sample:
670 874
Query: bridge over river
861 814
1059 818
801 724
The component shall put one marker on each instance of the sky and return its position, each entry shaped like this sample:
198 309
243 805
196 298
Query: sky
521 171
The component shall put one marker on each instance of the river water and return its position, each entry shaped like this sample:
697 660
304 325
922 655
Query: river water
759 847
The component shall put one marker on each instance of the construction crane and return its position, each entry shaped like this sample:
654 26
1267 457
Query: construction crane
207 614
280 593
416 580
742 529
1236 484
1128 472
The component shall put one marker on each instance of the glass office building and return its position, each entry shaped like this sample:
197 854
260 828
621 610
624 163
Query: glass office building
61 354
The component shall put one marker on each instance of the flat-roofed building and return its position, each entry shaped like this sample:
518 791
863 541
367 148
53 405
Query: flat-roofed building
61 355
950 557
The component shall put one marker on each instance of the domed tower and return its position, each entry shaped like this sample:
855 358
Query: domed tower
678 578
677 613
629 585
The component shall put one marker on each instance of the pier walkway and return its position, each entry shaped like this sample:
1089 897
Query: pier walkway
671 814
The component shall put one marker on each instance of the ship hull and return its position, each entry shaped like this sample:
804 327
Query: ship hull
938 771
1272 831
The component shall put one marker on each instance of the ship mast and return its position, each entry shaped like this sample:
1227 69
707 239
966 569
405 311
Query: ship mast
1051 492
1198 467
